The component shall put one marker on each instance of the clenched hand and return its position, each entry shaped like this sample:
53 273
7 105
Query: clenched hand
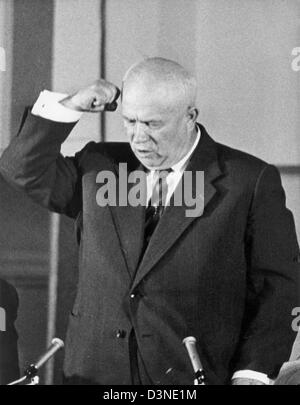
99 96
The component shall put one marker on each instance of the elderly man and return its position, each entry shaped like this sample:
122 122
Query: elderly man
150 274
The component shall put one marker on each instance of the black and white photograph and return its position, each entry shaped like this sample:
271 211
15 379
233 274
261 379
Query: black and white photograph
149 195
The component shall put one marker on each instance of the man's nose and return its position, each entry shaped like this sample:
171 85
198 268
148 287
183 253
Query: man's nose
140 133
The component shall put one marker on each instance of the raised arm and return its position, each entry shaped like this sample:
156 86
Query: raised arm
33 162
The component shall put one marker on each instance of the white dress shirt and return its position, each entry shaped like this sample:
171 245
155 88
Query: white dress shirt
48 107
173 177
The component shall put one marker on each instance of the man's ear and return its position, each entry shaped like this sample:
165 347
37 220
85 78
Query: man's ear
192 115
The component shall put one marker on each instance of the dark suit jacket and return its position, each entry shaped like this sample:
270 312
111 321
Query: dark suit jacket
9 366
226 277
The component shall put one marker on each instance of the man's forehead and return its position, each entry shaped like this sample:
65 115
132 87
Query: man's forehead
144 88
146 96
150 109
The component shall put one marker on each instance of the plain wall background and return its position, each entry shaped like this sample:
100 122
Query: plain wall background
240 52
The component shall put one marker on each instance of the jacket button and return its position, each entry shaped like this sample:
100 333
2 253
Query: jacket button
121 334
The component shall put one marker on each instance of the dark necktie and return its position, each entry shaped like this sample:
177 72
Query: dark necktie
156 204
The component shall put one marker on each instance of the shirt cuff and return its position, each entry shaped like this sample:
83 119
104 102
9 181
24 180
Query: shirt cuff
48 106
253 375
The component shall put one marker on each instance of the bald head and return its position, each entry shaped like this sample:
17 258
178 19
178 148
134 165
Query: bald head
167 77
159 113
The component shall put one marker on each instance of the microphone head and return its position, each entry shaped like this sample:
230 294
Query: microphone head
189 339
58 342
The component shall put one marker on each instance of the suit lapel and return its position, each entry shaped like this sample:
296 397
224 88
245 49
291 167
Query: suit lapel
129 220
174 221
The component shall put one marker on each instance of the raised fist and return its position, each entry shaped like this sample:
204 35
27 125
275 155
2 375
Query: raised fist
99 96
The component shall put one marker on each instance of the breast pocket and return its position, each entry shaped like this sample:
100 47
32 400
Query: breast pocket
75 311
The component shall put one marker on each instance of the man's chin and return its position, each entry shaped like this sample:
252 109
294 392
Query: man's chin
148 163
148 160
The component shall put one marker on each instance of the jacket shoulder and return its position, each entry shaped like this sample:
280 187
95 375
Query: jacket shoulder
114 152
241 161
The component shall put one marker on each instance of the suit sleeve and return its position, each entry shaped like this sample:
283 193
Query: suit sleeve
272 281
33 163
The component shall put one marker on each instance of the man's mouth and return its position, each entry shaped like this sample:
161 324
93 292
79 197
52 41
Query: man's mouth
144 151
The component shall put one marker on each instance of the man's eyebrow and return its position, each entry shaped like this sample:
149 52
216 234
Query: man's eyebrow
154 119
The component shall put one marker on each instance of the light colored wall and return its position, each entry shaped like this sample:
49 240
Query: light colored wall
76 60
240 51
248 90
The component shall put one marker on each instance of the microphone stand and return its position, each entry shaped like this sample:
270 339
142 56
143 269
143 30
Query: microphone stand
30 375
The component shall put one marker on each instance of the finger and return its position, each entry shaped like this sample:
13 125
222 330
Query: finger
118 92
97 109
112 94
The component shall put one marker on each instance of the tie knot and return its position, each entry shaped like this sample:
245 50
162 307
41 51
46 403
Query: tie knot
163 174
160 188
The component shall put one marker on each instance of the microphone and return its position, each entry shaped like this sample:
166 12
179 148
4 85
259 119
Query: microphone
56 344
190 344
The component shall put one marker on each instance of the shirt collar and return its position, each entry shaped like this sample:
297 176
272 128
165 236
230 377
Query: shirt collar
181 165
